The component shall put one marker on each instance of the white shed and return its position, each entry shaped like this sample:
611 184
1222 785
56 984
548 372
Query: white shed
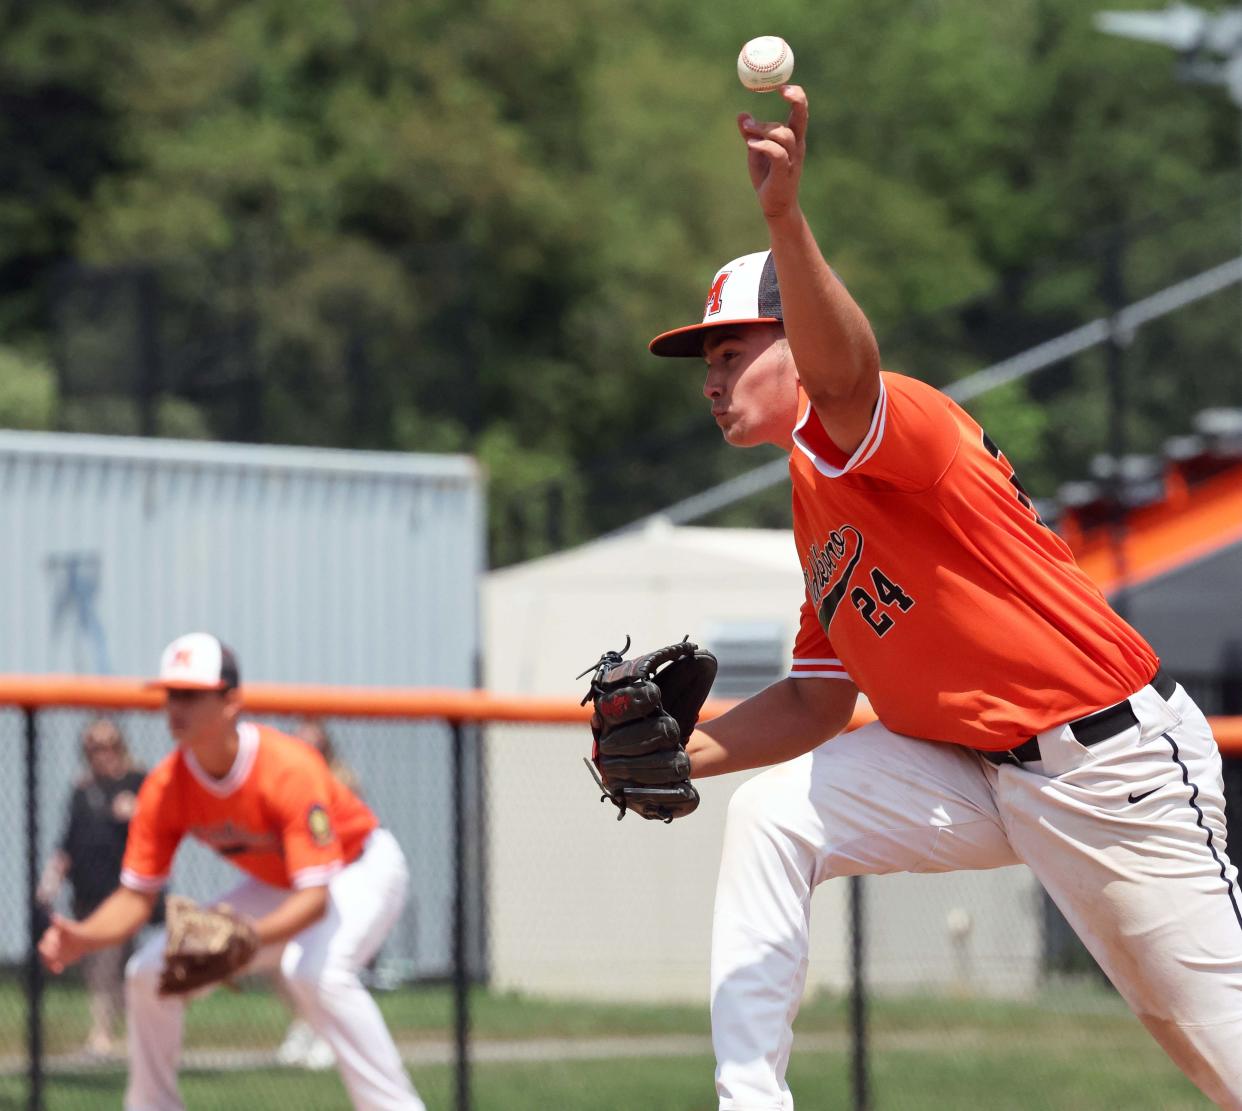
582 905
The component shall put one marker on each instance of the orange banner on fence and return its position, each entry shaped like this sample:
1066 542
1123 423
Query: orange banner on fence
476 706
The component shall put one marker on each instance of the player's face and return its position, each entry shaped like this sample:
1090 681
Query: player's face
752 385
196 717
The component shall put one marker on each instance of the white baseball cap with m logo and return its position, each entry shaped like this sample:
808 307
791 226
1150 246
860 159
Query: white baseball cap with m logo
197 661
743 291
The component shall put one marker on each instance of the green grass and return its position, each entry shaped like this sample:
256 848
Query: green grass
254 1017
932 1081
1070 1050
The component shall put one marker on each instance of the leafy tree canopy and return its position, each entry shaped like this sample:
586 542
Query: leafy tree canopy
453 227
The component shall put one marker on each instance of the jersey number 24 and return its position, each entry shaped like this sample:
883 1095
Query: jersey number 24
875 608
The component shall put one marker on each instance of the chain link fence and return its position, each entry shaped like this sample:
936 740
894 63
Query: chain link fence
403 769
550 956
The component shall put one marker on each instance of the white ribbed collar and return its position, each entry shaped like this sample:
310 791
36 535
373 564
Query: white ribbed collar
247 750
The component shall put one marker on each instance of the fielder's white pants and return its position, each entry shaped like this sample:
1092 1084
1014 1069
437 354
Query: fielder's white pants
1147 885
320 967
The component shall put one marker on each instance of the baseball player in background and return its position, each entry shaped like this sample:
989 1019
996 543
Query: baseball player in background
324 885
1020 719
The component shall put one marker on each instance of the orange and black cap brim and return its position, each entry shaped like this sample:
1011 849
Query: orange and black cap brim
687 342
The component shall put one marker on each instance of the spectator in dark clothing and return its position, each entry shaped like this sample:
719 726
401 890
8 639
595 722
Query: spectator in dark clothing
89 858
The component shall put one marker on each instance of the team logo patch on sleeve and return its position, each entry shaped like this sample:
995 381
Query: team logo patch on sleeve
319 825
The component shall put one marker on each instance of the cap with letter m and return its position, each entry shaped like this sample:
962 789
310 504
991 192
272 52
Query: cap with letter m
197 662
743 291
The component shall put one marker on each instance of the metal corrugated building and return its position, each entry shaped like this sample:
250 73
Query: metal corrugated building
317 566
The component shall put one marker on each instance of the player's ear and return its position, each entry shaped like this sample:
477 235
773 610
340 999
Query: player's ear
787 354
232 703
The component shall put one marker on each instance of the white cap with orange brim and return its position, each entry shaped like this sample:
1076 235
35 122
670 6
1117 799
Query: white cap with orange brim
743 291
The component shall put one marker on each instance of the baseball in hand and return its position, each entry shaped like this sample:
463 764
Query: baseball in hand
765 63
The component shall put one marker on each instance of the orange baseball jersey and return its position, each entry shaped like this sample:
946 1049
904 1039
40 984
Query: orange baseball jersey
279 814
933 584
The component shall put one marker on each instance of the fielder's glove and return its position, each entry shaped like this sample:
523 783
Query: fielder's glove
645 710
205 945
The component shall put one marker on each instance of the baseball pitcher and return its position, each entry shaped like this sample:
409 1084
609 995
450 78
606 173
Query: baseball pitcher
325 885
1020 718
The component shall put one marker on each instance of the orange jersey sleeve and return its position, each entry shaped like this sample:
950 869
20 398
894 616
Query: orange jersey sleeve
154 832
304 799
813 654
909 445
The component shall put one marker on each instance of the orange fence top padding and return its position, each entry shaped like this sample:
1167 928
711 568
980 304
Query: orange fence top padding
292 698
49 691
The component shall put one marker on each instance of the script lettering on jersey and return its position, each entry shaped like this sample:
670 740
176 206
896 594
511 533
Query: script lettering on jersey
827 570
229 839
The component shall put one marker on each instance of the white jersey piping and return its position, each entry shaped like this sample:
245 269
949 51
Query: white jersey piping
247 750
865 450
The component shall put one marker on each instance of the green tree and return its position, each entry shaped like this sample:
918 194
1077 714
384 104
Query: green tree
455 226
27 391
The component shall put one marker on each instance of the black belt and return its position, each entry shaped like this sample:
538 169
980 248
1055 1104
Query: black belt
1089 730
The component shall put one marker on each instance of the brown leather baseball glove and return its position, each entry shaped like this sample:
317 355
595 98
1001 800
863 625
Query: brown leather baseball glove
205 945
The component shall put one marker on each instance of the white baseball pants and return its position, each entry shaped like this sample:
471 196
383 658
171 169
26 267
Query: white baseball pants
1146 884
320 967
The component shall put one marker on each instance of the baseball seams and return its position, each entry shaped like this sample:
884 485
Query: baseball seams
765 67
